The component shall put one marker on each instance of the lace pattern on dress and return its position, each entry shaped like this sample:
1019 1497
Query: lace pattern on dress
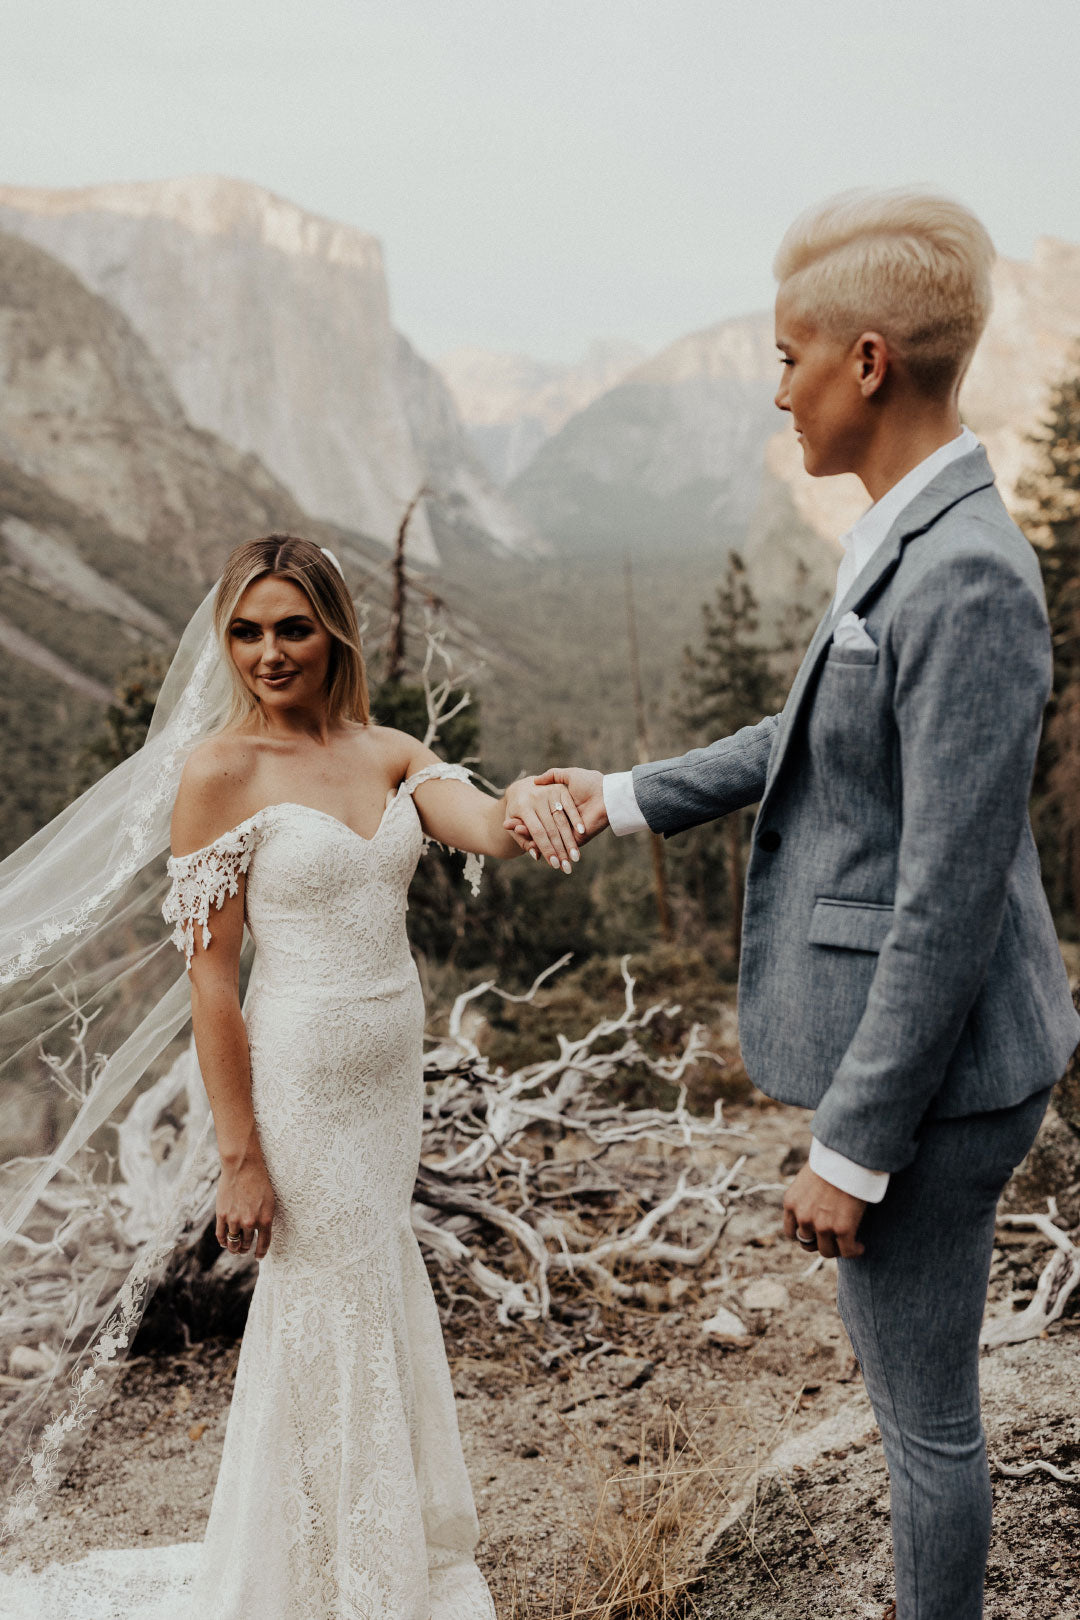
202 881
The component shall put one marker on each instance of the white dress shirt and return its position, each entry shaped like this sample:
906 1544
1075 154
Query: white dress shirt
859 543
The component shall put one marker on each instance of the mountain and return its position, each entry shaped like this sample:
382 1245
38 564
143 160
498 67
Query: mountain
115 515
689 448
273 327
468 509
671 456
511 404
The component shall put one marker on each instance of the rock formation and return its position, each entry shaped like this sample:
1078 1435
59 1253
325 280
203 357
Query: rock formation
273 327
511 404
91 430
468 508
671 456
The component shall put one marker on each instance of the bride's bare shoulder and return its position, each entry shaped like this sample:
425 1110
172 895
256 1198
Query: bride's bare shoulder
213 793
400 753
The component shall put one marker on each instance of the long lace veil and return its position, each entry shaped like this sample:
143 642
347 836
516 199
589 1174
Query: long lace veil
94 1008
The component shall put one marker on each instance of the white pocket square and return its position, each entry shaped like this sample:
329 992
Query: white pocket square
851 631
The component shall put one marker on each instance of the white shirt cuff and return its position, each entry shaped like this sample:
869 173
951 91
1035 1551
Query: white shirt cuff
620 802
854 1179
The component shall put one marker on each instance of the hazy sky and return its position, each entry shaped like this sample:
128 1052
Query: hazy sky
542 172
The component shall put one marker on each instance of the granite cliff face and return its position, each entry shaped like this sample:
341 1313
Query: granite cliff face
115 515
273 328
671 456
88 419
512 404
468 509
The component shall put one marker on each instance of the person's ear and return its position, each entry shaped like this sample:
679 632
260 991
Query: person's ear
872 362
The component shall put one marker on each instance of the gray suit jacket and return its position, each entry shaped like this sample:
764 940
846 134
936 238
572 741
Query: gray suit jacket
899 957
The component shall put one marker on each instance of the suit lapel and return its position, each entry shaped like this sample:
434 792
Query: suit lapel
956 481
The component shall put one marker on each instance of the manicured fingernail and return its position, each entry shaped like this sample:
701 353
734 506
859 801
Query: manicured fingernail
555 862
534 855
567 868
575 855
581 829
558 806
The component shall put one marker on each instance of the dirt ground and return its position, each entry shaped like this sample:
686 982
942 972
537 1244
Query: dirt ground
772 1435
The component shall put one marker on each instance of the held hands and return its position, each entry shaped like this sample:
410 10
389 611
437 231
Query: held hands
552 815
245 1205
819 1216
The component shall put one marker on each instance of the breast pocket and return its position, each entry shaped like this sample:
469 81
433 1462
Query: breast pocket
853 657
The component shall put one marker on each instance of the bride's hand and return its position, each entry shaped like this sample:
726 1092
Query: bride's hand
245 1205
544 821
580 789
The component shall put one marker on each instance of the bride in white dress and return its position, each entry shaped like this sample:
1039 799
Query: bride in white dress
342 1493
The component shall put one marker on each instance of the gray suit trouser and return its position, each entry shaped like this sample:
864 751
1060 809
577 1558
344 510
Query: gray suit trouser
913 1306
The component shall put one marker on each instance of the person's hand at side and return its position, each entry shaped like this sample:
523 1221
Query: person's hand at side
586 795
819 1216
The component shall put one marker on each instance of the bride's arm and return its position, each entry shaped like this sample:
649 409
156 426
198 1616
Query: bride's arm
458 814
245 1197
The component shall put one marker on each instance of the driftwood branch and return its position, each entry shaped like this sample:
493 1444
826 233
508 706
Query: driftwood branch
511 1198
1023 1470
1059 1278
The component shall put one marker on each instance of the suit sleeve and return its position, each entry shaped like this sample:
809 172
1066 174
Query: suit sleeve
973 674
707 782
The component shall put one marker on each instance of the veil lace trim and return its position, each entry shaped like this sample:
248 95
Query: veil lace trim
90 1382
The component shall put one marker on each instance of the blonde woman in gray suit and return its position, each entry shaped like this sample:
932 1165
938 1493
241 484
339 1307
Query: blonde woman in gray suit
900 971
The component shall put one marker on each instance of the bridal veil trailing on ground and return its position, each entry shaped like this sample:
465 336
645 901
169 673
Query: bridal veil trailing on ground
93 1005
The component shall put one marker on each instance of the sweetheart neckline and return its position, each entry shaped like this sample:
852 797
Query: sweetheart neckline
392 797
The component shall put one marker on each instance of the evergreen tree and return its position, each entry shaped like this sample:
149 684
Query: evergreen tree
1051 495
730 682
125 724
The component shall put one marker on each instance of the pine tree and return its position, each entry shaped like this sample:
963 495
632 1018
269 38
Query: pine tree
1051 495
730 682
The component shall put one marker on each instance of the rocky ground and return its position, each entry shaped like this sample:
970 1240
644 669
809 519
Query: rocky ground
754 1459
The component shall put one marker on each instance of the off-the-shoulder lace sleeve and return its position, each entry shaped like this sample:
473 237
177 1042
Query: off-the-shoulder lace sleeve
474 864
202 882
438 771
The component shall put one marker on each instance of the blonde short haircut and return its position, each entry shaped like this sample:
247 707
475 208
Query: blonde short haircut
910 265
285 556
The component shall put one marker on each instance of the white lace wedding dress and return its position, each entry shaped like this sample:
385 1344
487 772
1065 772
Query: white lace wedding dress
342 1493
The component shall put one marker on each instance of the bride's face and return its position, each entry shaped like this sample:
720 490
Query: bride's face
279 647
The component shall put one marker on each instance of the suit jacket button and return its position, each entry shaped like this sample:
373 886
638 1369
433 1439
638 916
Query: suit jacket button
769 840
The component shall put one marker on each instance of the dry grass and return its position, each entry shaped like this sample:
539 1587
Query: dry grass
645 1546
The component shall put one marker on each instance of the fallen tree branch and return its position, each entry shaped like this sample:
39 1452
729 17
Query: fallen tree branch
1023 1470
1058 1280
484 1209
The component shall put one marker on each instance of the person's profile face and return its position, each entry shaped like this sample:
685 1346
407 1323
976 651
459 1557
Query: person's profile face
819 388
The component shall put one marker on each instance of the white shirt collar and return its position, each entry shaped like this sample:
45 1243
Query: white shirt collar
863 538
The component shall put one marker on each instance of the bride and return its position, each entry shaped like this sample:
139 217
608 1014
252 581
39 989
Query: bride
342 1493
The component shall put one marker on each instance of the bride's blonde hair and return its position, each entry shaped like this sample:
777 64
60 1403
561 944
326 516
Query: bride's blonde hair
286 556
